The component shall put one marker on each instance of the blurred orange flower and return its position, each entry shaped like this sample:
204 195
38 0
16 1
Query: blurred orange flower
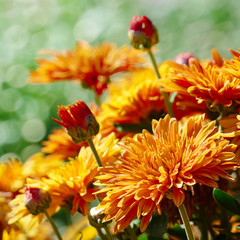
163 164
92 66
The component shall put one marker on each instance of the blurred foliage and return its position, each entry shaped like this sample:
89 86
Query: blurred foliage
27 26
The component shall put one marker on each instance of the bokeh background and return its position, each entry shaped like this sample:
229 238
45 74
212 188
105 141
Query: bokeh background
26 26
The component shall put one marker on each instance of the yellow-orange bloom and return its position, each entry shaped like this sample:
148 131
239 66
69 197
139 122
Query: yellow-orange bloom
135 107
72 184
209 82
89 65
60 145
164 164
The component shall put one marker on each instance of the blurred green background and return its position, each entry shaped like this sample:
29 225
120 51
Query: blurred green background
26 26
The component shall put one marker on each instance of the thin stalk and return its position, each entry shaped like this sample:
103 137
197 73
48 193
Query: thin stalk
95 154
108 234
99 163
165 95
103 237
186 222
203 224
55 229
131 233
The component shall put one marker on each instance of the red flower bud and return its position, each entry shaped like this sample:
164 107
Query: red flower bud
142 33
36 201
78 120
183 58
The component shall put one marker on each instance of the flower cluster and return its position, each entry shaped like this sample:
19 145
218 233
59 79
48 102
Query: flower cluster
161 147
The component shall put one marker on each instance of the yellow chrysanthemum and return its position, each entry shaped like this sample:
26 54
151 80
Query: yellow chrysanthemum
60 145
22 231
206 83
163 164
72 184
92 66
135 107
11 177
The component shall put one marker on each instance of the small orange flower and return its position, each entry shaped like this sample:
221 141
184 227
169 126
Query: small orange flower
61 146
78 120
136 106
210 82
163 164
92 66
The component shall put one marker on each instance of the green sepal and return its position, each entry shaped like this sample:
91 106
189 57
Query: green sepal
226 201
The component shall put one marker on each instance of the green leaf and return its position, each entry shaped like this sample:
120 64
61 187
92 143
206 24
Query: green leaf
226 201
143 236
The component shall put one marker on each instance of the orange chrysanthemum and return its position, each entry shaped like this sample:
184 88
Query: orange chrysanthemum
163 164
72 184
133 109
207 82
61 145
89 65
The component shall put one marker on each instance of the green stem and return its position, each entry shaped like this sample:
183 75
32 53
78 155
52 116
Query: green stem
203 224
165 95
103 237
131 233
186 222
95 154
108 234
55 229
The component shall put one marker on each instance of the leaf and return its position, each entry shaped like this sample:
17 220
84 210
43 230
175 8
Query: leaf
226 201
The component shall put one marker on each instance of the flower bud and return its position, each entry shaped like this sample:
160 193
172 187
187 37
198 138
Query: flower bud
183 58
36 201
95 217
78 120
142 33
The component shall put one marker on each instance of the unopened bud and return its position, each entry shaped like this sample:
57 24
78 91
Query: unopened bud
142 33
183 58
79 121
36 201
95 217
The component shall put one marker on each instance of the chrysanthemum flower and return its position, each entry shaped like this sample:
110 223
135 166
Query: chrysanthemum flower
135 107
232 66
163 164
11 177
72 184
92 66
60 145
205 82
78 120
